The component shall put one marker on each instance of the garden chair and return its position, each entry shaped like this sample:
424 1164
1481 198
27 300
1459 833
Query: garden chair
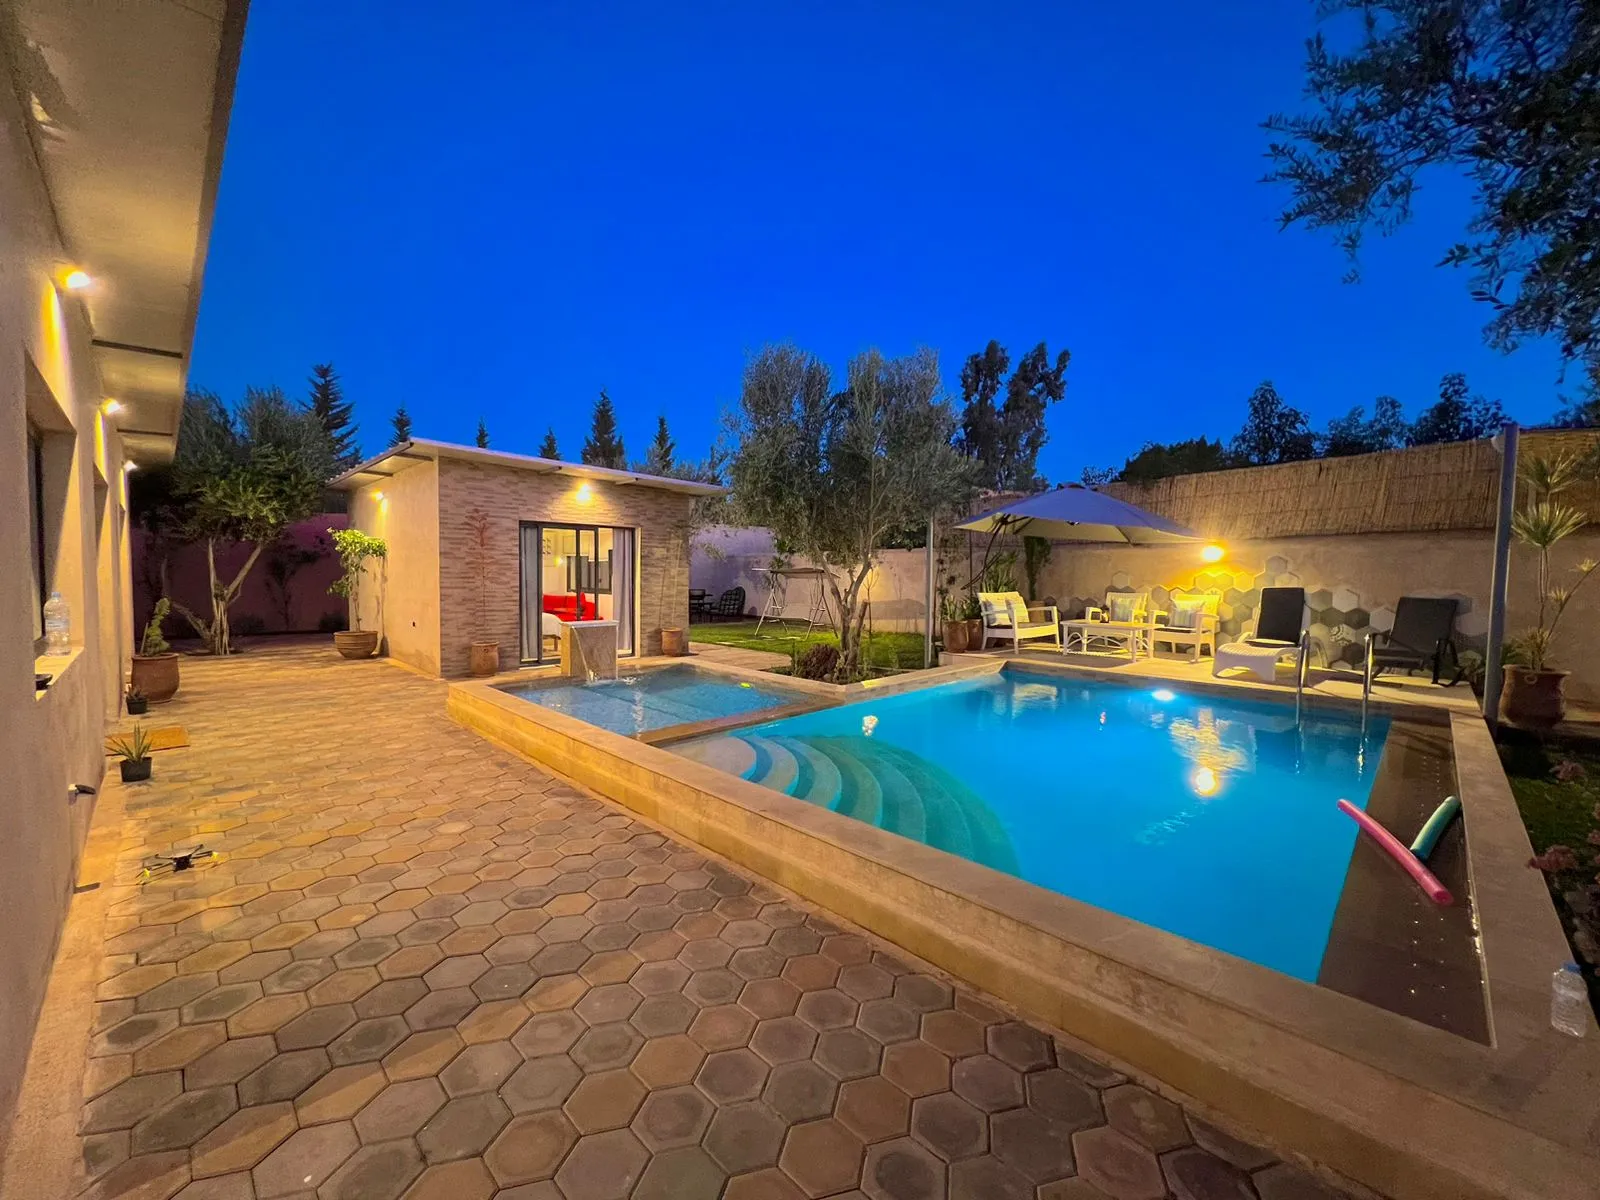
1189 620
1121 606
699 604
1007 618
1279 623
1423 635
729 605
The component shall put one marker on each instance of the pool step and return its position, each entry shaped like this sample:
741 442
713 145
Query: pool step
776 766
820 782
860 795
733 755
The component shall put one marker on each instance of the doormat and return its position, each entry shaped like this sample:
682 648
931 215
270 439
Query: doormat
168 737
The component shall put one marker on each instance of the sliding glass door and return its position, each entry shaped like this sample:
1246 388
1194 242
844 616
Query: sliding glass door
575 573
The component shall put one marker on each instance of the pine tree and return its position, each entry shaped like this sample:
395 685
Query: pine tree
547 448
658 459
483 435
402 425
333 413
603 447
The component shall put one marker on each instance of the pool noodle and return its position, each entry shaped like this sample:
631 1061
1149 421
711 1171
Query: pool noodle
1428 836
1397 850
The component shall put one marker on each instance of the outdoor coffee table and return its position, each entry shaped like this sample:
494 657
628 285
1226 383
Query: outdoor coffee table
1135 635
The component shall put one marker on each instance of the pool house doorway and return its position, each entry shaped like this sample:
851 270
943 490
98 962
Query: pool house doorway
575 573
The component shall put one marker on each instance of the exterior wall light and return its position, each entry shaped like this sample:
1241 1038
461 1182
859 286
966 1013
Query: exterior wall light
1212 553
129 467
585 493
111 407
76 280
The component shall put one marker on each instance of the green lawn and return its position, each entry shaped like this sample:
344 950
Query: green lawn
882 650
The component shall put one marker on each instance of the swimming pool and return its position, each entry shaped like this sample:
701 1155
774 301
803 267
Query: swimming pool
655 699
1211 818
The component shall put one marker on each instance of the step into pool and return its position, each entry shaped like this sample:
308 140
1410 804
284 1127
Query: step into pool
656 698
1209 817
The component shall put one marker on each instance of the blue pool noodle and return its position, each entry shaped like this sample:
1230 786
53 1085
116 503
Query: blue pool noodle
1433 828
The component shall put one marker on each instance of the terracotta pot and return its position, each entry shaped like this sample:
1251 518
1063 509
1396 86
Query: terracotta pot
975 634
1533 698
673 642
356 643
156 676
955 636
485 657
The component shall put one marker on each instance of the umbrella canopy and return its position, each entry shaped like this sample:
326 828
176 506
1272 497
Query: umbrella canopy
1078 514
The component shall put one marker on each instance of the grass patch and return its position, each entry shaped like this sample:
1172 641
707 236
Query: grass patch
880 651
1563 812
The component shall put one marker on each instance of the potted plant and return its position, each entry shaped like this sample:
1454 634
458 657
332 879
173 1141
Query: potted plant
955 623
972 614
1471 663
154 673
1533 693
137 702
133 749
355 548
484 656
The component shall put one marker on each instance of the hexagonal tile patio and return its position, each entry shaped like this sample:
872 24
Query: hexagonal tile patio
424 967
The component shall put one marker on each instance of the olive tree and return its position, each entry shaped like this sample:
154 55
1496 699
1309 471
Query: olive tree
833 474
241 476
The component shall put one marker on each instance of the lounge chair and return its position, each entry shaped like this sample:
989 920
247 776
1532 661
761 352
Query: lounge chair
1423 635
1007 618
1280 621
729 605
1189 620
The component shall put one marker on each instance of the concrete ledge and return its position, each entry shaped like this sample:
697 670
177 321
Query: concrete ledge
1411 1111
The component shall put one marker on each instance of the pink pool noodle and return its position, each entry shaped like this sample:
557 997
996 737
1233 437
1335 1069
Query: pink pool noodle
1400 852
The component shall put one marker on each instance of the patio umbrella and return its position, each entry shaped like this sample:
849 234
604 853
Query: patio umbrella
1078 514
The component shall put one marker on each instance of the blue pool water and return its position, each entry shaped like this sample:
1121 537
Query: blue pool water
656 698
1212 819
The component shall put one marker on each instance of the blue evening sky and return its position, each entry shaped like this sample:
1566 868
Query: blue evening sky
495 210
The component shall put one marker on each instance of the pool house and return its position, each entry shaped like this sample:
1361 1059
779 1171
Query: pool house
562 543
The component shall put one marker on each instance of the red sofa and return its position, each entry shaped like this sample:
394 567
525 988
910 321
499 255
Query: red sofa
566 607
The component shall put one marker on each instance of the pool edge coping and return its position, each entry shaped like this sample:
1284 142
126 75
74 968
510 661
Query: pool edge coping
1154 998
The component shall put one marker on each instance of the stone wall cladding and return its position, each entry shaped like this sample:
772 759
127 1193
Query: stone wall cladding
511 496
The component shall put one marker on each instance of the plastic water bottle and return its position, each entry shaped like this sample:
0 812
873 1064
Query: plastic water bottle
57 625
1569 1001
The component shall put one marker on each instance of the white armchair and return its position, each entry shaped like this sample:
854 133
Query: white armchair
1007 617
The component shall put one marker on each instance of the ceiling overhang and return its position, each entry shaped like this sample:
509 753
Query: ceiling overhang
128 107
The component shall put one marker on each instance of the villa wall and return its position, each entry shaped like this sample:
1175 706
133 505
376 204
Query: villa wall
404 601
49 740
510 496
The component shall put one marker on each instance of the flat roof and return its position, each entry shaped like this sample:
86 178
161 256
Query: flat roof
398 457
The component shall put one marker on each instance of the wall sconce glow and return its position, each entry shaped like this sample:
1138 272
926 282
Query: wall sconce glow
1164 694
1212 553
111 407
585 493
76 280
378 496
129 467
1205 782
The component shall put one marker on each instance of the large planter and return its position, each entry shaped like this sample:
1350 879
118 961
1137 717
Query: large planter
155 675
673 642
1533 698
356 643
955 636
485 658
975 634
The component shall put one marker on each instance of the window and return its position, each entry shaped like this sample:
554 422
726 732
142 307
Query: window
37 563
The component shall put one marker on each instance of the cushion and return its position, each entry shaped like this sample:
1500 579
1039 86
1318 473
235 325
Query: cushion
1186 612
1122 606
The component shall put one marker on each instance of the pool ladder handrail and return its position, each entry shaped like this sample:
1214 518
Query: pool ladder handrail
1366 684
1300 674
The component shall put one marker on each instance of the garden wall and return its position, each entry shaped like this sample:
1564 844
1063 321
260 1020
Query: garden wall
263 605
